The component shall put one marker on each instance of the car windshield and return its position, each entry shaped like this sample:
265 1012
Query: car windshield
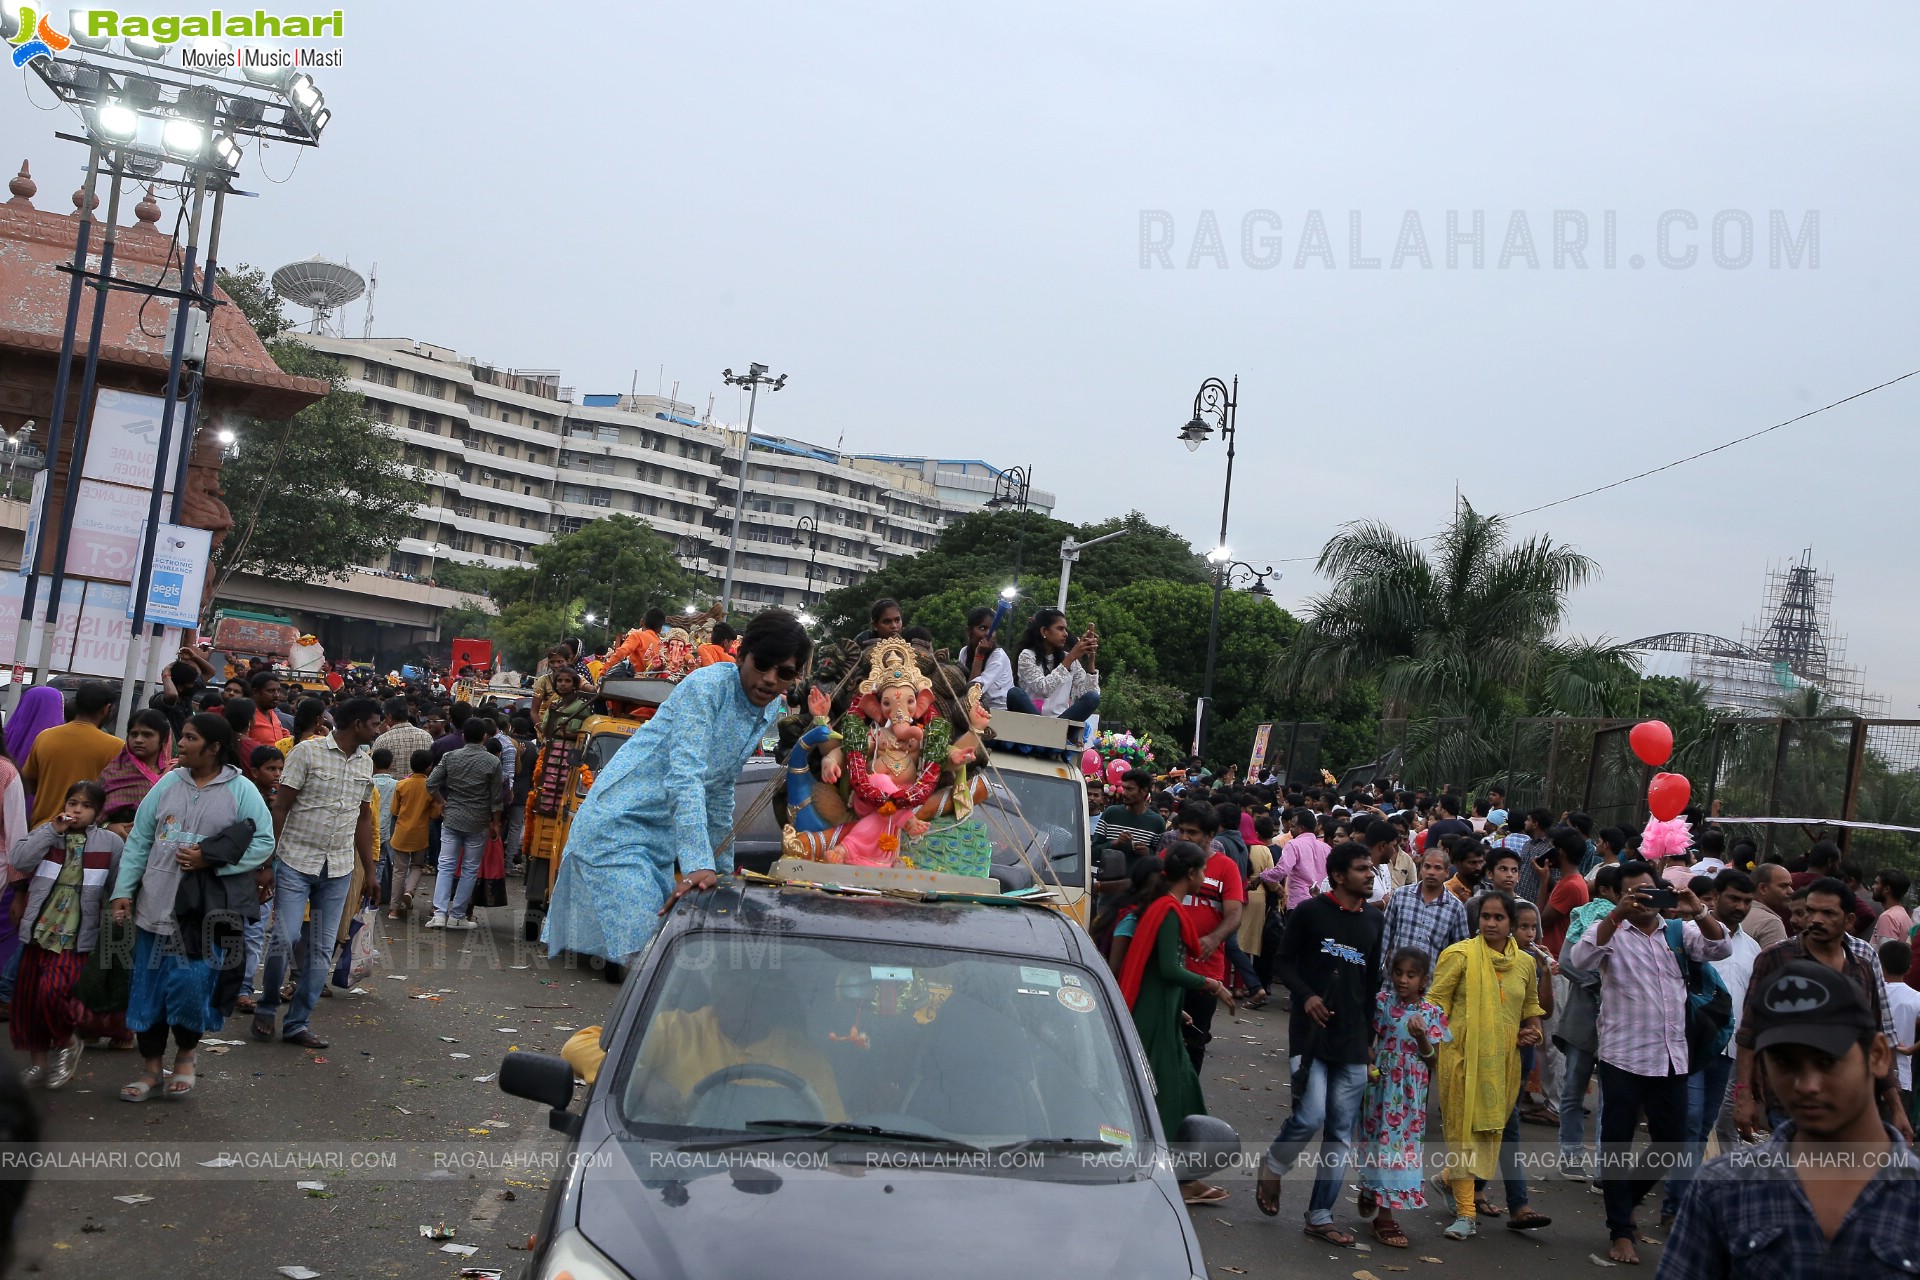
1041 816
961 1047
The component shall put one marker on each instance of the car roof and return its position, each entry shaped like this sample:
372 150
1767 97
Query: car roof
750 909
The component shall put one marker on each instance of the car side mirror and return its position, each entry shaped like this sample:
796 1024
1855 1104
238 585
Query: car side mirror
1204 1144
543 1077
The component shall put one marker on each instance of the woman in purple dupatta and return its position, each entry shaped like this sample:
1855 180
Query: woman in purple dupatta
40 708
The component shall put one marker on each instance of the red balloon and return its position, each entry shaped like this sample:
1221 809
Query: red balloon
1652 741
1116 770
1668 794
1090 762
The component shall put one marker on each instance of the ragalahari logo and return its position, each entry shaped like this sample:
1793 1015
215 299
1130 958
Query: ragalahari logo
36 39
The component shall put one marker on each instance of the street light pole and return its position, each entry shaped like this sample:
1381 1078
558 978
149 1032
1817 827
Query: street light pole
752 379
1070 554
812 528
1218 399
1010 488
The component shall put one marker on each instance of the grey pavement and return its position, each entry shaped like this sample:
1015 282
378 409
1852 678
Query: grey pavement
387 1079
1245 1084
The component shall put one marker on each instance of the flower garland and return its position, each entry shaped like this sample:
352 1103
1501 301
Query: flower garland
861 782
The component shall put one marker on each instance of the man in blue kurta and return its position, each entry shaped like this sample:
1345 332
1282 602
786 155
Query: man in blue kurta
666 798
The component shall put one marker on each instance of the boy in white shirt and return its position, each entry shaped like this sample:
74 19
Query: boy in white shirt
1903 1002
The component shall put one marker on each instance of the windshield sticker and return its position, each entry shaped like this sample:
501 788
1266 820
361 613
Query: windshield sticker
1040 977
1031 991
888 973
1110 1134
1071 981
1075 999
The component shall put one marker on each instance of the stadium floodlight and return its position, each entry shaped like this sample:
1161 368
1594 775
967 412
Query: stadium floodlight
81 31
115 121
227 152
144 47
183 139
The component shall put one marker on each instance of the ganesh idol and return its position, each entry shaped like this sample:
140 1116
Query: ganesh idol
902 773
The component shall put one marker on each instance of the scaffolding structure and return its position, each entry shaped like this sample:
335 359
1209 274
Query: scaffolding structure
1790 647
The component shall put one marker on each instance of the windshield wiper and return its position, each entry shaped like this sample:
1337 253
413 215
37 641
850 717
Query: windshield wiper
1090 1146
814 1129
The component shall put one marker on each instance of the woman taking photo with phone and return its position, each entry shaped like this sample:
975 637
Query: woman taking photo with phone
1056 679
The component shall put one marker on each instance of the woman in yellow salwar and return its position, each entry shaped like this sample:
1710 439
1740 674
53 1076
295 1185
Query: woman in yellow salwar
1486 986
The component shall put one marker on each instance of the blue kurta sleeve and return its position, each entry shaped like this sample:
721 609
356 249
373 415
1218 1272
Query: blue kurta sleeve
689 726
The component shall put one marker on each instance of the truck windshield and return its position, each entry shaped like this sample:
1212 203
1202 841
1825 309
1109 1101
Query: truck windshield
1041 815
985 1050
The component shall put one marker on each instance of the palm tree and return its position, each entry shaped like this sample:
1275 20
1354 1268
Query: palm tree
1451 631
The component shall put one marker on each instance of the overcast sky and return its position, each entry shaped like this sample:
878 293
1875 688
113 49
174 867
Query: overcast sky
931 219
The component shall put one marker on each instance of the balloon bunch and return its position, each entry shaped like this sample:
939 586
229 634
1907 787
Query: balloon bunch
1668 793
1113 755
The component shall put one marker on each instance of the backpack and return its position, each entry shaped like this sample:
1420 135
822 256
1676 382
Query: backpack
1709 1003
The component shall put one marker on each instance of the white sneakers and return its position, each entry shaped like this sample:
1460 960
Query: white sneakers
440 921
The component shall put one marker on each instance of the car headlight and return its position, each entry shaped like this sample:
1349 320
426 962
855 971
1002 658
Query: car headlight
573 1258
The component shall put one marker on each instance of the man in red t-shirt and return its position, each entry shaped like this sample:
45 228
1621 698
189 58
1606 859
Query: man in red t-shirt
1215 911
1569 891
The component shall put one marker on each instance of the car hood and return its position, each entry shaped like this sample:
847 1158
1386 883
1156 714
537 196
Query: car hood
827 1223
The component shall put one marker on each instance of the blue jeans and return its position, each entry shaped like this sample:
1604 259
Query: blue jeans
1573 1098
460 852
11 974
1079 709
1330 1106
253 936
1706 1090
1243 965
294 892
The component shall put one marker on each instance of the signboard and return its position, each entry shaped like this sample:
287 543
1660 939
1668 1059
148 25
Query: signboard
253 637
1260 736
180 556
91 636
108 521
125 440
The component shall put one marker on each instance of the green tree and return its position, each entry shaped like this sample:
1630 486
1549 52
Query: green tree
613 570
322 492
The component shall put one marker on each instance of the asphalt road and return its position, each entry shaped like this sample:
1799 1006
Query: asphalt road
1245 1084
388 1082
471 1158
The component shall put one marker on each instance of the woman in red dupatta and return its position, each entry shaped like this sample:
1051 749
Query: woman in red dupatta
131 774
1154 978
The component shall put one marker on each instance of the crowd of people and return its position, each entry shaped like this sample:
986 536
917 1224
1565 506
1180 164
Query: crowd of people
1436 954
1446 956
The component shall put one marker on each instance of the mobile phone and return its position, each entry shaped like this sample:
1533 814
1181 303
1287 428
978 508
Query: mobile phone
1662 899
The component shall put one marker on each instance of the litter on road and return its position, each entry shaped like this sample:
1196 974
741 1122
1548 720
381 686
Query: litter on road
464 1250
439 1231
134 1199
485 1078
311 1186
298 1273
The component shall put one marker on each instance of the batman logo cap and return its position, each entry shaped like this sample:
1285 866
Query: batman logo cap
1804 1002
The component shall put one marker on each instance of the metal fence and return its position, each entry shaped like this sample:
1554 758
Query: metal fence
1435 753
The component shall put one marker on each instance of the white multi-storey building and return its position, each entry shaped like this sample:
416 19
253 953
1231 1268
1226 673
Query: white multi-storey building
513 460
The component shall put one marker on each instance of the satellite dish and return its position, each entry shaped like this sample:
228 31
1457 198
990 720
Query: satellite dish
320 286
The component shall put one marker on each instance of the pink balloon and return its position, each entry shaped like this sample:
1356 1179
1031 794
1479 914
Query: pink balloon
1116 770
1090 762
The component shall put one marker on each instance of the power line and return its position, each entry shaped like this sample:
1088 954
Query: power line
1677 462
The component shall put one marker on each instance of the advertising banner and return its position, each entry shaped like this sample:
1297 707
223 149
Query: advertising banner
180 558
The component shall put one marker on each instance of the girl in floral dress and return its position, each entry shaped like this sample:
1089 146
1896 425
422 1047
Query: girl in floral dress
1393 1114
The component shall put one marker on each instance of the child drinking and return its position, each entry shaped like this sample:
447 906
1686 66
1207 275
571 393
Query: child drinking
1393 1111
72 860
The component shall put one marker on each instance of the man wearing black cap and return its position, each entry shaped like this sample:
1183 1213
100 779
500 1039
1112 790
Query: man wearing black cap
1835 1191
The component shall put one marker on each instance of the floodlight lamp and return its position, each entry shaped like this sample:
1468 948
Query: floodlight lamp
226 151
1195 433
143 164
80 31
301 93
144 47
270 76
806 619
1219 555
225 437
183 139
9 19
321 119
139 91
81 81
116 121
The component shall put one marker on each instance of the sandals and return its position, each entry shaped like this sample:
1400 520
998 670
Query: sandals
1486 1208
1390 1235
139 1090
1461 1229
1255 1001
1330 1234
1367 1203
1212 1195
183 1080
1266 1192
1528 1220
